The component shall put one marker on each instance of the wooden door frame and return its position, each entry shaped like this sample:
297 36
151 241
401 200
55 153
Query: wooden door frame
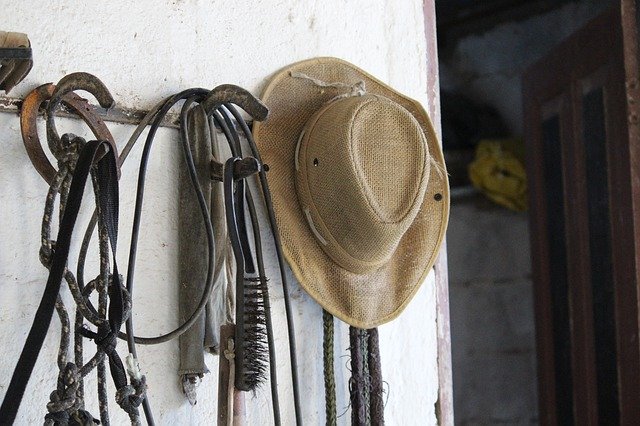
626 209
623 154
444 404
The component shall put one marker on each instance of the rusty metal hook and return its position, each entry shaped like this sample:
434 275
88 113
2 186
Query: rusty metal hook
230 93
69 83
29 113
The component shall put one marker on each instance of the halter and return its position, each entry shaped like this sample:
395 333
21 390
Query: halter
77 160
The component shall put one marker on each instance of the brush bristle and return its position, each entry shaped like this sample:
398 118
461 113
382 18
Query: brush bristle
252 355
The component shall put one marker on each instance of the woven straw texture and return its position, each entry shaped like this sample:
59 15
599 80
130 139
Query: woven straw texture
402 193
363 171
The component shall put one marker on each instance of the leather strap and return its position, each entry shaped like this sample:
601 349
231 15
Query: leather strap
106 178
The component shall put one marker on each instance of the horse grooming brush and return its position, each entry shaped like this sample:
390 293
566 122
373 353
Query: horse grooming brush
251 334
15 59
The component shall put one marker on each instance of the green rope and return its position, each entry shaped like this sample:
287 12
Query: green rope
329 375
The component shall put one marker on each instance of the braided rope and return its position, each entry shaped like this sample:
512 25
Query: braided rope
357 382
329 374
66 403
366 377
67 399
376 404
78 352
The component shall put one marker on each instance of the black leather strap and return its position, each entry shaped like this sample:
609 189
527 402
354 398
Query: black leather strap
108 201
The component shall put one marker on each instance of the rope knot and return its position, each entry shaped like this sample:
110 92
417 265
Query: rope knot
106 340
68 151
79 418
83 418
63 401
130 397
124 397
56 418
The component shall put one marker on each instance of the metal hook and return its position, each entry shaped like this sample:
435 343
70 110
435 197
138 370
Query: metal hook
69 83
242 169
230 93
29 113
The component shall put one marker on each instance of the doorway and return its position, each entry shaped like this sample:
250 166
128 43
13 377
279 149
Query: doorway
484 49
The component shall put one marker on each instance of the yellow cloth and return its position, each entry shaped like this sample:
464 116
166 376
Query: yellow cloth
498 171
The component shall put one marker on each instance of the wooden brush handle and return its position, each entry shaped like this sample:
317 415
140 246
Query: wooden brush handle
231 407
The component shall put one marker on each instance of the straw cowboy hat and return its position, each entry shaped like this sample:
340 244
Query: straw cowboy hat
359 187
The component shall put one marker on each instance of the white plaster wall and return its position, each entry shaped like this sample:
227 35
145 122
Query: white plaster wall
143 51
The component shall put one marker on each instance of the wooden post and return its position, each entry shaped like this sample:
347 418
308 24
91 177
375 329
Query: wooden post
444 406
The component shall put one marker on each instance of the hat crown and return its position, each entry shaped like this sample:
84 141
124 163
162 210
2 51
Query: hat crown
363 166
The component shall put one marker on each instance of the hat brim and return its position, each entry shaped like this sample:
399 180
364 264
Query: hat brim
361 300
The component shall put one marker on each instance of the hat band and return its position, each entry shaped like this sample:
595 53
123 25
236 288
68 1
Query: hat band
297 153
315 231
322 234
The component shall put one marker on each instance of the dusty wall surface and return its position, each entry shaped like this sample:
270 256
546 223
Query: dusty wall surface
144 51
